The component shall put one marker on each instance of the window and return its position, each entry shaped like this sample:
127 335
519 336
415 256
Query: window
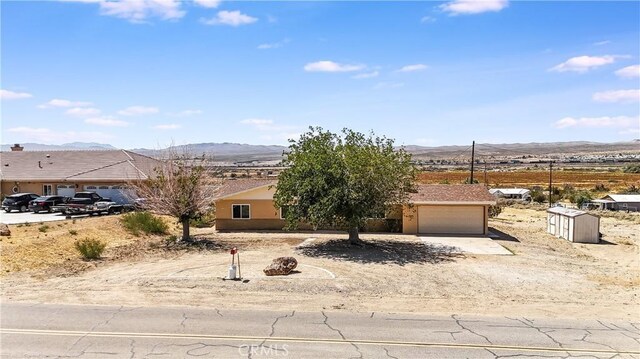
283 212
240 211
47 189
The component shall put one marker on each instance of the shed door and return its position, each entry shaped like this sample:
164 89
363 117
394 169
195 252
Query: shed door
451 219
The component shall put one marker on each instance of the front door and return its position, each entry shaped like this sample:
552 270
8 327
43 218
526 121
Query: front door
47 190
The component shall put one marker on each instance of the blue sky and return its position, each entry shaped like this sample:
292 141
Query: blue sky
146 73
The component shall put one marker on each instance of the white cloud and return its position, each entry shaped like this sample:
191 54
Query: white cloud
169 126
273 45
138 11
584 63
207 3
469 7
12 95
623 96
601 43
330 66
598 122
272 131
231 18
56 102
387 85
83 111
427 19
630 131
186 113
138 111
412 68
49 136
629 71
366 75
107 121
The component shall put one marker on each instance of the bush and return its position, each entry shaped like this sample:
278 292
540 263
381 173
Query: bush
90 248
538 197
43 228
73 232
631 169
580 197
136 222
600 187
204 221
495 210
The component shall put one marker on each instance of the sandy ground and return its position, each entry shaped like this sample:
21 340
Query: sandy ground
547 277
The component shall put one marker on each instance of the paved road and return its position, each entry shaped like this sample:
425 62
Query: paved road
41 330
29 217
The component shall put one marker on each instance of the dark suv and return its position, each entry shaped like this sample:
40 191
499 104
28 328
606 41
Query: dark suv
45 203
18 201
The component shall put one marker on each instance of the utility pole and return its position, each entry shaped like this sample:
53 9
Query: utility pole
485 174
473 152
550 180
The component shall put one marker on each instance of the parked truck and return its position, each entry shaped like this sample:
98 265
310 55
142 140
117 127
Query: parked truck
91 203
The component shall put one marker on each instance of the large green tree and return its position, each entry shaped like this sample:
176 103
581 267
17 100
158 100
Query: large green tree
341 180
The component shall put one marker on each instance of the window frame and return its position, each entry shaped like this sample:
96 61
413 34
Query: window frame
240 204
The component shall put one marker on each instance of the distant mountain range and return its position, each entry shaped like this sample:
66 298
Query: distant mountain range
236 152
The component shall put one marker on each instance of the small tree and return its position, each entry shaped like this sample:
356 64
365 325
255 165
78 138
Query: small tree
342 180
181 186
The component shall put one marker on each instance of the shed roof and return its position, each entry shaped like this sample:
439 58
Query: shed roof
569 212
509 190
623 197
107 165
235 186
452 193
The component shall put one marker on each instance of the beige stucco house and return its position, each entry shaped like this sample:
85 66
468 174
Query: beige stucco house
67 172
247 204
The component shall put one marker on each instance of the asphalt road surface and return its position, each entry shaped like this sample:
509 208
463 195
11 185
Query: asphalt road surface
42 330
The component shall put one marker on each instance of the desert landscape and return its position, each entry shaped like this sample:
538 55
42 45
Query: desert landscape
546 276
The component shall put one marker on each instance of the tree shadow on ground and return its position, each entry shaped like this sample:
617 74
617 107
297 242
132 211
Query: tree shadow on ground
383 252
503 236
195 244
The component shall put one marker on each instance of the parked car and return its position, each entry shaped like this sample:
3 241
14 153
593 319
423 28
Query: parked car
45 203
18 201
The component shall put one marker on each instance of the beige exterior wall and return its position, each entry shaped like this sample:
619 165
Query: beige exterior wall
36 187
410 218
258 209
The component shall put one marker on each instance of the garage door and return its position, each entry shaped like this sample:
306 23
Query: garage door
451 219
117 194
66 190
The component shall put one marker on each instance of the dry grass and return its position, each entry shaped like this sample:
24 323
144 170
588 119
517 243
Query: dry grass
31 249
577 178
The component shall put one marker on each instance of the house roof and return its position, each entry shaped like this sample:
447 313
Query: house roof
569 212
510 191
235 186
108 165
623 197
452 193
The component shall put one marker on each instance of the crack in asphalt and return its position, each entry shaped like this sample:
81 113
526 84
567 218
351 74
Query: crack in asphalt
325 322
218 312
604 325
386 351
199 346
584 339
132 348
273 331
184 319
458 322
529 323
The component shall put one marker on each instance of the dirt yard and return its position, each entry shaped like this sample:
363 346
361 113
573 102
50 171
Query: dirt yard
394 273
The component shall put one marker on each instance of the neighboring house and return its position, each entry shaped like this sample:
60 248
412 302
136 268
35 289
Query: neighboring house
573 225
617 202
448 209
247 204
521 194
67 172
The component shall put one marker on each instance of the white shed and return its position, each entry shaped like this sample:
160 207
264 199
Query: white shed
573 225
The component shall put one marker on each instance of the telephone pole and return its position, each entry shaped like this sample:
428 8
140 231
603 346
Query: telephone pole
485 173
473 152
550 180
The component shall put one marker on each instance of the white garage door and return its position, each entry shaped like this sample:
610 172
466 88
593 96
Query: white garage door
117 194
66 190
451 219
